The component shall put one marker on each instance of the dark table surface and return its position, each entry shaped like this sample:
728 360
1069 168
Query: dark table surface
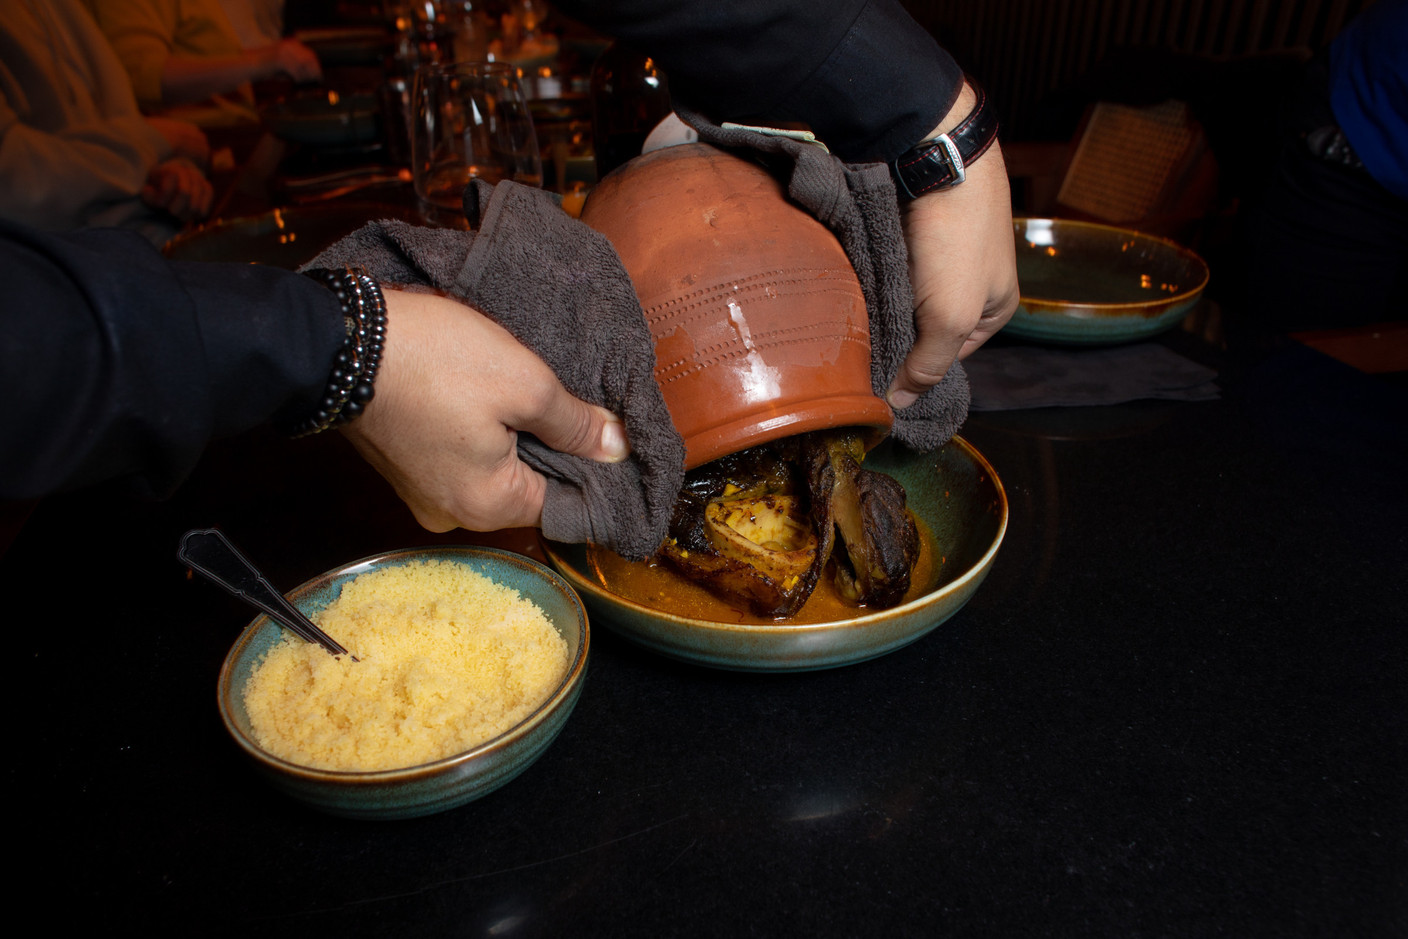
1177 707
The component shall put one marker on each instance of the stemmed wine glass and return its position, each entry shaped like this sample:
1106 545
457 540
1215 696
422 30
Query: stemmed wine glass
471 121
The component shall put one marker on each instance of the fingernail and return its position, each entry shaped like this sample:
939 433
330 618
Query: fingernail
900 399
614 446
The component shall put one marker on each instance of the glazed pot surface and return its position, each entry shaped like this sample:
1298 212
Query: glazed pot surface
759 322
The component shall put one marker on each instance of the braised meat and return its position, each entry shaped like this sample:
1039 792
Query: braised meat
761 526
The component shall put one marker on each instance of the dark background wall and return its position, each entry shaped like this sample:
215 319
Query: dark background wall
1040 60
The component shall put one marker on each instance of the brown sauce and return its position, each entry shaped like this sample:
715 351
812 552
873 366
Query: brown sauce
655 584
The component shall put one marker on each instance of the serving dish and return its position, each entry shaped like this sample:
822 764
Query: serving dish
442 784
1083 283
325 119
956 495
348 45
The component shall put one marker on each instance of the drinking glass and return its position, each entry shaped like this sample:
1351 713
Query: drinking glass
471 122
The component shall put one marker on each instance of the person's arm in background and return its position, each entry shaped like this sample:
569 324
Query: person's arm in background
186 140
60 179
74 149
142 33
53 178
871 83
179 185
121 365
962 265
187 79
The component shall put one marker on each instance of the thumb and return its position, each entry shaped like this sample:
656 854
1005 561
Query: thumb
924 366
570 425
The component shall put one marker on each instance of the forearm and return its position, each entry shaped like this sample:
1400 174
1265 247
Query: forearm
120 364
962 263
191 79
861 73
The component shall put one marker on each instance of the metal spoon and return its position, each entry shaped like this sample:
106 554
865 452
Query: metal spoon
211 554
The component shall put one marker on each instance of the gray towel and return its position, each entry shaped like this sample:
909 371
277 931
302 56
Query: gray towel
857 202
560 289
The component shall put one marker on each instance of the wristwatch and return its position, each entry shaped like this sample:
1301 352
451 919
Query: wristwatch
938 163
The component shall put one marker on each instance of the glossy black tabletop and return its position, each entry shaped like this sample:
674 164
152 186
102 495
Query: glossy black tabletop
1177 707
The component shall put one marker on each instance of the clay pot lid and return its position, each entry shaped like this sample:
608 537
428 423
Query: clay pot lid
760 325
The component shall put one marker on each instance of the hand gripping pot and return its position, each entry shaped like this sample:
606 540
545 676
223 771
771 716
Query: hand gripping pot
759 322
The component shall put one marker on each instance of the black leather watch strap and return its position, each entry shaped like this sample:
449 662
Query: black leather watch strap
940 162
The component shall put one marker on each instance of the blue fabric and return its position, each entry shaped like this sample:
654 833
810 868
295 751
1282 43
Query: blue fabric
1369 90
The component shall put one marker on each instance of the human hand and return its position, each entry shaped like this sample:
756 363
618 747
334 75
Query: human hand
292 58
186 139
453 391
962 267
179 187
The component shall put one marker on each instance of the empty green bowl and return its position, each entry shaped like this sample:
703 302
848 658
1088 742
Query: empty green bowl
445 783
325 119
1088 284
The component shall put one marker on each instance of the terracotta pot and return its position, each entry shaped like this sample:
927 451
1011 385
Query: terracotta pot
760 325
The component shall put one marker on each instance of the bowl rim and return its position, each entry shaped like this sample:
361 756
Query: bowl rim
1173 299
977 569
353 103
561 692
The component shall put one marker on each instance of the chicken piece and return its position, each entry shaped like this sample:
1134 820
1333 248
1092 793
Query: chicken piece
876 530
881 539
760 526
755 544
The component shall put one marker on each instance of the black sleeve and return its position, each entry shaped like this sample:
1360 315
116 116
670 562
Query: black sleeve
118 364
868 79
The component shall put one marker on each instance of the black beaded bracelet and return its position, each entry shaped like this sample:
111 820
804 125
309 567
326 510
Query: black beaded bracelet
349 388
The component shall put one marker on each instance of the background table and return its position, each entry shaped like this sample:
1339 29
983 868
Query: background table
1177 707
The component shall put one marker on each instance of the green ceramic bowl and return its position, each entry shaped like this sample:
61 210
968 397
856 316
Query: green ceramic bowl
443 784
343 46
953 491
1088 284
325 119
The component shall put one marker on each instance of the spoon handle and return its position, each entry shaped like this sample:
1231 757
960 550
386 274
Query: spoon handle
211 554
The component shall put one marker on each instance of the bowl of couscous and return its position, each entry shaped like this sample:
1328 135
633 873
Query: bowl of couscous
468 662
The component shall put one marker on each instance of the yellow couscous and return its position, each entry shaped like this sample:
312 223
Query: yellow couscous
447 660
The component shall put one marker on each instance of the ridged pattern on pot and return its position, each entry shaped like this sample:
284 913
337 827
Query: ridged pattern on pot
759 322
